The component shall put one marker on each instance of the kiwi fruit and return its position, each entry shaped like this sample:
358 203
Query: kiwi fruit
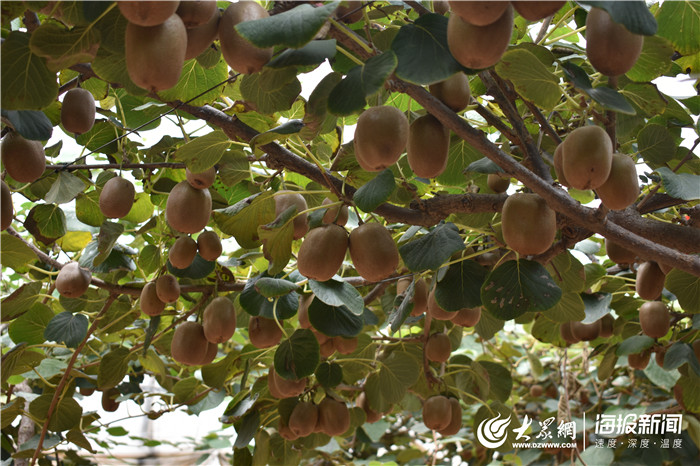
155 54
441 6
655 319
660 355
188 209
167 288
639 360
344 345
361 402
373 252
72 280
240 54
455 418
8 210
201 180
536 391
320 337
587 157
607 323
696 349
23 159
210 355
303 419
200 38
263 333
537 10
585 332
479 47
467 317
109 399
567 334
528 224
219 320
117 197
665 268
272 385
610 47
209 245
285 432
86 391
289 387
327 348
621 188
498 183
453 91
650 281
189 345
479 13
78 111
437 412
303 312
333 417
558 168
151 305
427 147
336 214
435 311
420 294
438 347
350 13
182 252
195 13
322 252
147 13
286 199
619 254
380 137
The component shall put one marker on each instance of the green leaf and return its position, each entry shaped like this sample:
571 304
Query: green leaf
185 389
375 192
608 98
247 429
680 185
517 287
338 293
141 210
484 165
329 374
30 326
101 138
690 388
334 321
274 287
634 344
500 381
656 144
271 90
26 83
30 124
422 52
316 108
460 156
679 22
634 15
297 356
11 410
242 219
64 48
204 152
680 353
396 374
686 288
15 253
460 287
531 78
50 220
597 306
292 28
198 269
488 326
67 328
64 189
277 240
66 415
113 368
195 80
432 250
646 97
403 306
313 53
256 304
281 132
87 209
596 455
215 375
570 307
654 61
118 259
109 234
149 259
20 300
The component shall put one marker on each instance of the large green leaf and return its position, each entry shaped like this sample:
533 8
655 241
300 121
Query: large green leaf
256 304
20 300
531 78
292 28
64 48
66 414
338 293
608 98
597 306
432 250
29 327
109 234
633 14
50 220
297 356
198 269
87 209
30 124
654 61
422 52
646 98
500 381
277 240
67 328
329 374
517 287
656 144
113 368
194 81
570 307
313 53
634 344
15 253
375 192
460 156
680 353
679 22
680 185
686 287
396 374
64 189
274 287
242 219
460 287
271 90
334 321
204 152
215 375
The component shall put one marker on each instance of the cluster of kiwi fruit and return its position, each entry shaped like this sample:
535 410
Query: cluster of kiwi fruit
328 345
183 251
574 331
424 302
156 294
330 417
442 414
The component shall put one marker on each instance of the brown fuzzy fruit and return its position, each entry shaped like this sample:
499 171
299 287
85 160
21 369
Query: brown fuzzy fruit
23 159
303 312
167 288
437 412
455 419
209 245
188 209
327 348
435 311
585 332
263 333
195 13
8 210
558 169
650 281
201 180
86 391
587 157
639 360
240 54
373 251
428 145
210 355
696 349
109 400
438 347
345 345
479 47
621 188
497 183
200 38
537 10
182 252
189 345
660 355
336 214
619 254
420 294
287 386
286 199
479 13
219 320
566 333
303 419
117 197
529 225
78 111
371 415
285 432
147 13
155 54
72 281
380 137
333 417
610 47
467 317
655 319
151 305
322 252
536 391
351 13
453 91
607 323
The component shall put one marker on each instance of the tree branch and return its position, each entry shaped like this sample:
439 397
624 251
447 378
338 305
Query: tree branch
106 166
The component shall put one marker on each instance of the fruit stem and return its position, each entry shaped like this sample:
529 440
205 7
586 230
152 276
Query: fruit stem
352 36
561 21
564 36
352 57
45 272
274 316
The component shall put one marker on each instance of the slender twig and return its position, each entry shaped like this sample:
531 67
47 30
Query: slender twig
496 122
107 166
